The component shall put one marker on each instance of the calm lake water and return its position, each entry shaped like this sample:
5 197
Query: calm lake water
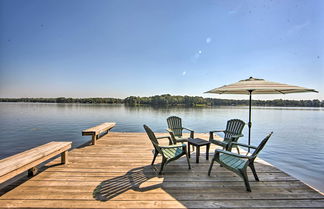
296 147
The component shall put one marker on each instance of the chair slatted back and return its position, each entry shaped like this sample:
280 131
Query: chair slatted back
233 127
152 137
175 124
261 145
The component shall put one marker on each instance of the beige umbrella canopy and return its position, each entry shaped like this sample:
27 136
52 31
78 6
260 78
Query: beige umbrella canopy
258 86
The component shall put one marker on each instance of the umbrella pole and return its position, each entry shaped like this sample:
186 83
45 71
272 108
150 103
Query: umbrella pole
250 124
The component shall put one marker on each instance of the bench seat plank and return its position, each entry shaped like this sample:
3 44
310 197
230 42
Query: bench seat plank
21 162
96 130
99 128
22 154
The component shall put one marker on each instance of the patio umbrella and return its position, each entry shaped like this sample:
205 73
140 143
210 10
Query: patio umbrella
258 86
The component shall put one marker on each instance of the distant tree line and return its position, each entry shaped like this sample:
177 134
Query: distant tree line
65 100
168 100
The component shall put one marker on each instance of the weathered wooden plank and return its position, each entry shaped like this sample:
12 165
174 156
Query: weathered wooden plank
164 196
170 168
168 184
182 176
299 190
193 175
163 204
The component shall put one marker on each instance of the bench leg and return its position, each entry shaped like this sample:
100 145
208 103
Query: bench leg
64 157
32 171
94 139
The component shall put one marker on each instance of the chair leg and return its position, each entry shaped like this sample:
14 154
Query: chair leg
254 171
238 150
246 181
155 154
211 166
162 165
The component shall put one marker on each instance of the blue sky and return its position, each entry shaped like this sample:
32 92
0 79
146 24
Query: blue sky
52 48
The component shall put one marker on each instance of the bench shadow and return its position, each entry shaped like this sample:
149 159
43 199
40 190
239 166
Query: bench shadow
24 177
132 180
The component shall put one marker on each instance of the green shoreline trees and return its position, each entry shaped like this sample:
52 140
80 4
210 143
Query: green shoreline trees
169 100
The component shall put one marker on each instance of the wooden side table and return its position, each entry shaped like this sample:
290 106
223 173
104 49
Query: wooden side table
197 142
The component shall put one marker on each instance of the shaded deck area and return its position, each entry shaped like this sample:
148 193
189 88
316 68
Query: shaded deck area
116 173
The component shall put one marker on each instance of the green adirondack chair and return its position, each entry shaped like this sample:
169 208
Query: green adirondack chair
232 133
239 163
175 129
169 153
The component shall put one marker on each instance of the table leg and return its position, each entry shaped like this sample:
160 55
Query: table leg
188 150
207 151
197 154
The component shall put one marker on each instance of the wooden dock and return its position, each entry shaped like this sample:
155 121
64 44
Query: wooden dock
116 173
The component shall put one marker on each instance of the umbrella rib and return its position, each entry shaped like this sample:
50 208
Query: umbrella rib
279 91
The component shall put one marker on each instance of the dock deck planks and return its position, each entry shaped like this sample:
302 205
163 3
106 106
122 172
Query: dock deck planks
116 173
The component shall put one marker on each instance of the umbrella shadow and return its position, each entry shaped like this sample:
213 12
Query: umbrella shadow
132 180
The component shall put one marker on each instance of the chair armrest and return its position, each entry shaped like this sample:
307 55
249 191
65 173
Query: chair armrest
217 131
232 154
211 133
188 129
163 137
237 136
242 145
169 130
191 132
173 146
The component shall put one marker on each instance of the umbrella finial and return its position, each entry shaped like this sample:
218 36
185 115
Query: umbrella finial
251 79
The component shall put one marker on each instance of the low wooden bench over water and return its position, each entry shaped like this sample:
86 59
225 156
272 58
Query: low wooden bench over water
116 173
95 131
16 164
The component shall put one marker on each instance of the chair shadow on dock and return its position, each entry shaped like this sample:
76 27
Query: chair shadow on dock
133 179
195 189
176 176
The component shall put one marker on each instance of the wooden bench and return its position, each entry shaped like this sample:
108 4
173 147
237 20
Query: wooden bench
95 131
28 160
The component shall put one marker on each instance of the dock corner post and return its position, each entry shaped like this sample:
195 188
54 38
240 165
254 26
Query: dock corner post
64 157
94 139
